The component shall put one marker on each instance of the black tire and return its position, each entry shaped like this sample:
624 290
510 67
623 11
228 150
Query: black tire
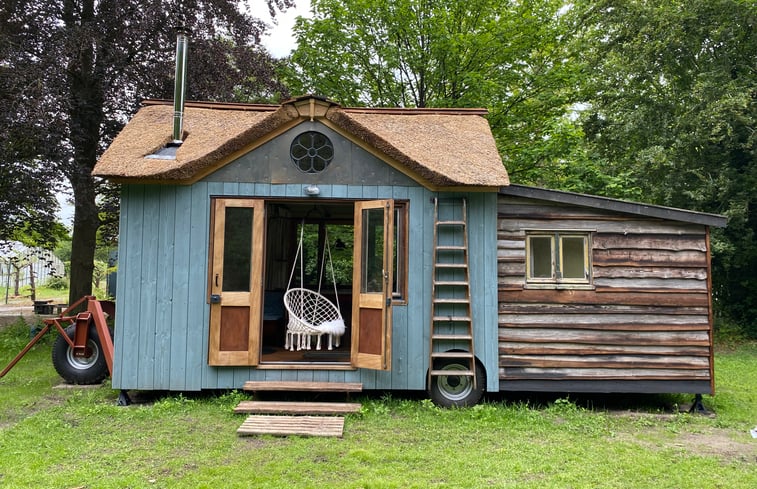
80 370
456 390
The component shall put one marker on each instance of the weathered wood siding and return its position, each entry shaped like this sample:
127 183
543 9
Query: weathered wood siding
644 327
161 334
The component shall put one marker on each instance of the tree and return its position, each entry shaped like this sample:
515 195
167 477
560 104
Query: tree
74 70
671 96
508 56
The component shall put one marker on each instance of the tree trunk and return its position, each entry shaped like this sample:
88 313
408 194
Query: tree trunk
85 110
83 242
32 284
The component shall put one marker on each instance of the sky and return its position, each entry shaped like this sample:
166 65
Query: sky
280 41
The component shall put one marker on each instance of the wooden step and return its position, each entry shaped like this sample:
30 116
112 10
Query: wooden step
462 300
296 386
451 265
292 425
297 408
452 373
452 337
452 354
452 319
451 282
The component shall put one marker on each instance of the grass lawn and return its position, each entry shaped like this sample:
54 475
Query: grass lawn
80 438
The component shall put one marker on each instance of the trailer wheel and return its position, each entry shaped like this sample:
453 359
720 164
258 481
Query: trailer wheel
80 370
456 390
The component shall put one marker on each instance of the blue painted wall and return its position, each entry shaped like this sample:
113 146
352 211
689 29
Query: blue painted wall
161 335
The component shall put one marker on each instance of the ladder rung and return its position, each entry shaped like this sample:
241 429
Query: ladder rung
452 337
452 354
458 319
449 373
451 282
451 248
450 223
452 301
451 265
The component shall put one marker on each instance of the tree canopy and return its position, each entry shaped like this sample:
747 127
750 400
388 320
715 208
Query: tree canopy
72 71
653 100
670 98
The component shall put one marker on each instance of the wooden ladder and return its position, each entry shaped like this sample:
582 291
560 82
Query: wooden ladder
451 318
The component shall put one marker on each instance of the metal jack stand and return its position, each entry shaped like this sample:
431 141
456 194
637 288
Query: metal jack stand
698 406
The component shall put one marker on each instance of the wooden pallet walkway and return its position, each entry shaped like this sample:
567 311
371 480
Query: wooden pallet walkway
297 408
292 425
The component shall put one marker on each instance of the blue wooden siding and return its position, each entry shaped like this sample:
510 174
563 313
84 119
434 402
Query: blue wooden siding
161 336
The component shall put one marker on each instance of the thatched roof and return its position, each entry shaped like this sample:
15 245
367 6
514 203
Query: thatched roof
437 147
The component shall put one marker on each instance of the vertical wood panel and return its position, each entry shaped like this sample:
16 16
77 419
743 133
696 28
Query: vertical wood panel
165 286
148 286
180 304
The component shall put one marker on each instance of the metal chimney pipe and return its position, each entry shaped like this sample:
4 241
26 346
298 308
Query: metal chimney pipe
180 81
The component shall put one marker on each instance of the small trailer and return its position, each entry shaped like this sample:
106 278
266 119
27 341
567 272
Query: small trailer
447 277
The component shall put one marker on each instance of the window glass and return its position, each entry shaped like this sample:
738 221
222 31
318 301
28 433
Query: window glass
554 258
573 257
237 249
372 274
400 250
541 254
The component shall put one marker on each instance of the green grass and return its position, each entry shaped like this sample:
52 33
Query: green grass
65 438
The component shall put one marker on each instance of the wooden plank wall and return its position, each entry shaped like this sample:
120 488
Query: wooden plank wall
644 327
161 334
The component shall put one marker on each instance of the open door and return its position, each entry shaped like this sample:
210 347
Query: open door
372 285
236 270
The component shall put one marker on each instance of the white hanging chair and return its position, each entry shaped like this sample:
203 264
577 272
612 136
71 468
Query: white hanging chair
310 313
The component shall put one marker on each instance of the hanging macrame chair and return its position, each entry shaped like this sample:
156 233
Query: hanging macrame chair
310 313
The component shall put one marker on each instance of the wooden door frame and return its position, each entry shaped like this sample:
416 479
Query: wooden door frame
372 301
251 299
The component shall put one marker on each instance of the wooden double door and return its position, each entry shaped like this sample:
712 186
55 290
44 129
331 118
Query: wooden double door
236 271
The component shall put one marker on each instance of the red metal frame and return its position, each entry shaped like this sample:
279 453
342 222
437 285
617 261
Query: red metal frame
95 313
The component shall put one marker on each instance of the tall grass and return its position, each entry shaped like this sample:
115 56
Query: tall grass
80 438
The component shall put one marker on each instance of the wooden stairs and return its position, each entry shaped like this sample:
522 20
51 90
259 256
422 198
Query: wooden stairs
284 418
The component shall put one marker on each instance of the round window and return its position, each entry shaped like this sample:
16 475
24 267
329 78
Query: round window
312 152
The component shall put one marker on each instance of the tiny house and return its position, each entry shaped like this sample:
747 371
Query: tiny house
447 278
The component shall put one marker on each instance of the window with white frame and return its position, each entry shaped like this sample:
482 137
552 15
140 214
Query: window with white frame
558 258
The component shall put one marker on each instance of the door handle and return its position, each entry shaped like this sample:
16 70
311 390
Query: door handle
216 280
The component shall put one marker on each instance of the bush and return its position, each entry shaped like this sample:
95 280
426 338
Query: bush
57 283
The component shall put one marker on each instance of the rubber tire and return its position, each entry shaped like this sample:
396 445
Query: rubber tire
79 370
456 391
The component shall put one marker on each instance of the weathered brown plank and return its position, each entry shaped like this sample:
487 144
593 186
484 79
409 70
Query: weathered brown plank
644 258
650 272
604 337
556 348
684 242
632 297
566 308
610 326
651 283
601 374
540 320
618 225
292 425
285 407
605 361
296 386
